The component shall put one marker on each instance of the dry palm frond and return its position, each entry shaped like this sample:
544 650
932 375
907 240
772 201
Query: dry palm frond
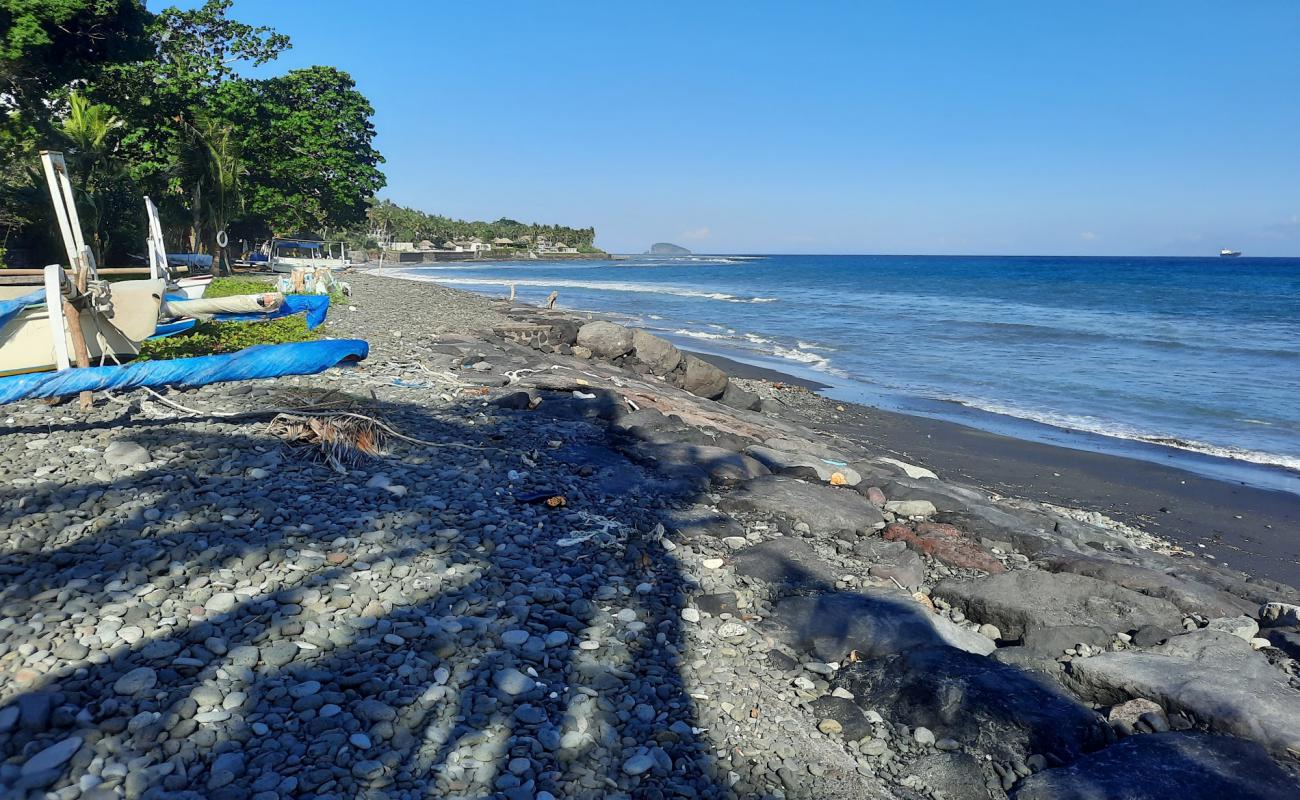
343 440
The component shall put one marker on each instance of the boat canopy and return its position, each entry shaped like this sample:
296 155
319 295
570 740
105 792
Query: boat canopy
301 245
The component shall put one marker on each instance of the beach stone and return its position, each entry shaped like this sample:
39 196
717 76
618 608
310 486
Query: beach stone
123 453
945 543
52 757
660 355
605 339
902 565
910 470
513 682
1210 676
825 509
799 465
743 399
138 680
1241 627
221 602
702 379
1000 709
957 775
1188 765
1279 615
1019 601
638 764
1054 640
696 521
721 465
912 508
1190 597
875 624
845 713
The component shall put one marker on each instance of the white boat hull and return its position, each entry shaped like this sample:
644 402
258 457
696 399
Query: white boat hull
27 342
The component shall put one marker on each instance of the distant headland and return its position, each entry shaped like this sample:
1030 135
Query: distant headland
666 249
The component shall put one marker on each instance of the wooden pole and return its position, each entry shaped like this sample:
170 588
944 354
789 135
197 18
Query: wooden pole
79 349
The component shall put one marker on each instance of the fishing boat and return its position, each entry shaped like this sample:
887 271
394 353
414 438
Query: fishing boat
285 254
1226 253
113 325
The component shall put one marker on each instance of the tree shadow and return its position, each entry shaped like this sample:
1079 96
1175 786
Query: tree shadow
423 634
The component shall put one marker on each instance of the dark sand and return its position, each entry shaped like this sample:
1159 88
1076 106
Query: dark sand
1253 530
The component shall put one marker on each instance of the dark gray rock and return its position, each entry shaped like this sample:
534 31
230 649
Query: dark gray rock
1021 600
851 718
696 521
802 465
1285 639
702 378
891 561
1160 766
826 509
743 399
720 603
605 339
1210 676
1055 640
786 562
997 709
1190 597
830 625
658 354
722 466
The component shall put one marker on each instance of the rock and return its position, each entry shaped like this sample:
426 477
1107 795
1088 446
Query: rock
695 521
798 465
1279 615
1210 676
638 764
702 379
1158 766
122 453
910 470
1285 639
830 727
876 496
1000 709
1025 599
851 722
732 630
1190 597
221 602
912 508
137 681
1054 640
691 615
605 339
658 354
1242 627
743 399
1129 712
945 543
923 736
717 604
513 682
225 769
722 466
785 562
903 566
52 757
875 624
825 509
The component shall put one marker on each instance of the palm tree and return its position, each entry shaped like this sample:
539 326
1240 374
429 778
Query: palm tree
88 129
210 163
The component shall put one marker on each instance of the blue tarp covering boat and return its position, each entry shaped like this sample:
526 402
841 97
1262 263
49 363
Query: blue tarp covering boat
260 361
12 308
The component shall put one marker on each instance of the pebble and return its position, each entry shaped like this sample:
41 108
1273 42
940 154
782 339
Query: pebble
513 682
638 764
830 727
923 736
691 614
138 680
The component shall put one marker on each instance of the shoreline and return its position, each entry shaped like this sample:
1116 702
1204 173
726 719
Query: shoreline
1249 528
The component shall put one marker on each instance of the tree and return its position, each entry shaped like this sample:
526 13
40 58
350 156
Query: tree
209 163
308 143
88 131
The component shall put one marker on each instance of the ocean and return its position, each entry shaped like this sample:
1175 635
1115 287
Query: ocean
1147 357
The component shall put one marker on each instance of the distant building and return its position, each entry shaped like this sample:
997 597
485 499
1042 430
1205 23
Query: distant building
425 244
563 248
402 247
502 241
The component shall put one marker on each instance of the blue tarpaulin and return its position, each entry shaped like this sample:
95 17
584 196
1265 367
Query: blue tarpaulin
260 361
315 306
12 308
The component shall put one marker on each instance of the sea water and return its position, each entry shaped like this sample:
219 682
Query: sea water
1197 354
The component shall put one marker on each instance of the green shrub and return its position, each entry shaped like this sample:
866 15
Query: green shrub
212 338
229 287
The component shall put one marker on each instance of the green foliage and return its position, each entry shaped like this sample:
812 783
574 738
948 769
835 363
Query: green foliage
211 338
230 287
409 225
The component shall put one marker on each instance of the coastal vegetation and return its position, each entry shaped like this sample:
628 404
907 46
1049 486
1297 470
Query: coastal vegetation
409 225
154 104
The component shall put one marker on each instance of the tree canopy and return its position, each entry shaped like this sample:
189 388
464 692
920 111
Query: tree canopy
156 104
409 225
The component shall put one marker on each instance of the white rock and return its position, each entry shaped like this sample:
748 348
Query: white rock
732 630
911 470
121 453
712 563
911 508
691 614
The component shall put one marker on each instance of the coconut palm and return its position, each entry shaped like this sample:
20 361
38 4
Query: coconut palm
209 166
88 131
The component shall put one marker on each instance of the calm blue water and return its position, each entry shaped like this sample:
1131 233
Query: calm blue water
1204 352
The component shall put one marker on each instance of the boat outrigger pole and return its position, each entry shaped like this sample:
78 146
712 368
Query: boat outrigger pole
80 258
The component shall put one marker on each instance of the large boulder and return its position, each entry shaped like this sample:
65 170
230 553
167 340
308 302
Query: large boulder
743 399
658 354
702 379
945 543
1019 601
721 465
786 562
605 339
1211 676
1159 766
696 521
801 465
1189 596
875 624
825 509
986 705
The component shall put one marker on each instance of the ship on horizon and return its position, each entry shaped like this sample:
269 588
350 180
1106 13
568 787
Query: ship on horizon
1226 253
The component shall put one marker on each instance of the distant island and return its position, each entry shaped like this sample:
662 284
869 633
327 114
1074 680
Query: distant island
666 249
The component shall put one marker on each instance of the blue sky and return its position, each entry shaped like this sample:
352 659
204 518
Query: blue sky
1153 128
